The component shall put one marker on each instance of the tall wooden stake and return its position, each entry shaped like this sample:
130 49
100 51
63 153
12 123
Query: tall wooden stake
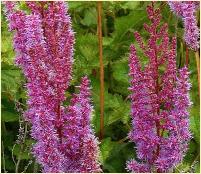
101 70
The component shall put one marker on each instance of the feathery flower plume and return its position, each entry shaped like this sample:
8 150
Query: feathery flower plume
84 154
43 41
187 11
159 101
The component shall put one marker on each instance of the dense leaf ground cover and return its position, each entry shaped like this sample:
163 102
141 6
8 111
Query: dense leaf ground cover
120 20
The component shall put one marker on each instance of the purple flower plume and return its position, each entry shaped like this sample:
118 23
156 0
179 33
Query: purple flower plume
43 41
159 101
82 145
187 11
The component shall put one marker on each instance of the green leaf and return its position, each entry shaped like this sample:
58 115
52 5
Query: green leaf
86 57
7 51
10 166
182 167
74 5
192 151
87 51
195 123
119 112
90 17
106 148
125 23
25 153
197 168
120 71
8 137
115 163
132 5
10 80
107 41
9 116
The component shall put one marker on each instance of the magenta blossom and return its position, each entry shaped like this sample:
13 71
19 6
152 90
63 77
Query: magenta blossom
159 101
187 11
43 41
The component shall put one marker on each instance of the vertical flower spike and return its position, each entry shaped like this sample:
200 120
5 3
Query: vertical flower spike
43 41
187 11
82 148
159 101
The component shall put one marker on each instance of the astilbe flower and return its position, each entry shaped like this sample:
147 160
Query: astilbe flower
187 11
159 101
81 143
43 41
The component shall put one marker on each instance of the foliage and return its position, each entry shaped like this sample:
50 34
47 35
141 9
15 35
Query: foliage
120 20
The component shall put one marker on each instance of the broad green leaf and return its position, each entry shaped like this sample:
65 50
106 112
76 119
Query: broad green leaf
125 23
10 166
21 154
182 167
73 5
115 163
90 17
10 80
119 112
120 71
7 136
192 151
131 5
106 147
195 124
107 41
7 51
9 116
197 167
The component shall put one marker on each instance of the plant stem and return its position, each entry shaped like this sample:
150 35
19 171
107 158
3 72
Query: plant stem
59 127
187 57
187 170
156 154
3 128
181 56
55 50
26 167
35 167
122 140
3 156
101 70
198 69
13 155
21 149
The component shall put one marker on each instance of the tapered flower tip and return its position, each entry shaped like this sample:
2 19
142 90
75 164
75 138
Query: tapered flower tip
136 167
132 49
85 81
84 87
9 5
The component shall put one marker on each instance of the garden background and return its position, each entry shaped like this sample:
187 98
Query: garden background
119 20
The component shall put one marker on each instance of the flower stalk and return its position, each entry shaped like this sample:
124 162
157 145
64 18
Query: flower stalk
159 101
44 45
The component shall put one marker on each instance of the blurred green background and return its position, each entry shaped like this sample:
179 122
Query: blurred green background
120 20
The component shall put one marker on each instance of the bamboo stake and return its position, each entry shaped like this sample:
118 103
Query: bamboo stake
101 70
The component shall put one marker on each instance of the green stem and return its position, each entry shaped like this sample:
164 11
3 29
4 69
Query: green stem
3 156
13 155
35 168
21 149
198 69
